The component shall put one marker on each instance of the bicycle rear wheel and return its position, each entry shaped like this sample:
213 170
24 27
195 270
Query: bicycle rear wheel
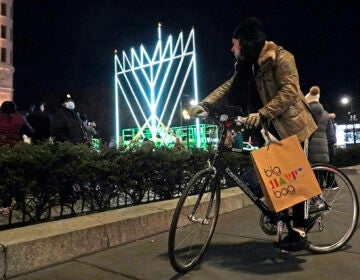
333 216
194 221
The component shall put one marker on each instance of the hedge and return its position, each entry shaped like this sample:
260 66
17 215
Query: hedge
49 174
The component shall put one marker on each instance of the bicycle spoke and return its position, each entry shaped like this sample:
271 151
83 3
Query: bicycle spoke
339 221
194 222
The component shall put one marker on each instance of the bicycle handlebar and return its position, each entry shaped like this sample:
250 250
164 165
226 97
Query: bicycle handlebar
238 120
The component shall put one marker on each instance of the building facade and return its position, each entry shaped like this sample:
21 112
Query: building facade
6 50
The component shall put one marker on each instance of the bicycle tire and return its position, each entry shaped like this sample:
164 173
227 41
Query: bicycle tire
332 228
189 234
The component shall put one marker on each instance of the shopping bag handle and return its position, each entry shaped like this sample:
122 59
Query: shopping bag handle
268 137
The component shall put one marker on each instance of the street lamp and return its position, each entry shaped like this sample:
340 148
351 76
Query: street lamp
193 102
352 116
185 101
186 116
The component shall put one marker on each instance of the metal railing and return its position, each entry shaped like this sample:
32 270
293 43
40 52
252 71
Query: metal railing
80 201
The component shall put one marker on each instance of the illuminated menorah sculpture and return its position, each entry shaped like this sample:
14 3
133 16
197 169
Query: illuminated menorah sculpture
152 86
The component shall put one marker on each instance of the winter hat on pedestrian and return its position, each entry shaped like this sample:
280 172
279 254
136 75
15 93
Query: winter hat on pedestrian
66 97
313 95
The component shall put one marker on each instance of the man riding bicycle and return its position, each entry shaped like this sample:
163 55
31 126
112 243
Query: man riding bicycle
266 86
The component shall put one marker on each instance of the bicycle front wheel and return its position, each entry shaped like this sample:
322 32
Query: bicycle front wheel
334 213
194 221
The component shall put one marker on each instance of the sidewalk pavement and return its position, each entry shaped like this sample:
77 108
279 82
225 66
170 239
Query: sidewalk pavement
239 249
351 169
38 246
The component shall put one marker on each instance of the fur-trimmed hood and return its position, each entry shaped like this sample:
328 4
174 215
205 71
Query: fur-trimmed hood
268 51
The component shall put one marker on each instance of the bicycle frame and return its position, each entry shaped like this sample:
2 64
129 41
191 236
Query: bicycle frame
219 165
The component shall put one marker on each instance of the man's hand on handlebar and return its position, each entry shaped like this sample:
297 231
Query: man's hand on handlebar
198 111
253 120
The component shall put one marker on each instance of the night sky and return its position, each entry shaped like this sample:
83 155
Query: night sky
63 45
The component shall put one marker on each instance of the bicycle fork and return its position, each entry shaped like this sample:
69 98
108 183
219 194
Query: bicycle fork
205 220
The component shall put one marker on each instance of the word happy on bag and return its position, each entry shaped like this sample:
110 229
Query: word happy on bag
281 184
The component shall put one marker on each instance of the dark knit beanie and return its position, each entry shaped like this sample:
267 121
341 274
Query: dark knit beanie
249 30
252 39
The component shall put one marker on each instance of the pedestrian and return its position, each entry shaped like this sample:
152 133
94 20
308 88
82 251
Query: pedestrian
13 129
66 124
178 145
40 122
90 127
13 126
266 86
318 151
147 145
321 143
237 139
331 135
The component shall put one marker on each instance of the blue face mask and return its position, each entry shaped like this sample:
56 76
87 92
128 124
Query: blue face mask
70 105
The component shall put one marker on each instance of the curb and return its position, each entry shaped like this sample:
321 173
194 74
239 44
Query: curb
34 247
351 169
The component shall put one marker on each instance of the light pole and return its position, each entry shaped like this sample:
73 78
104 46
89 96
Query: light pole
187 118
181 108
184 104
352 116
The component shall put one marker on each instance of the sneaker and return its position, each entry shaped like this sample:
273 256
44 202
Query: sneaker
293 242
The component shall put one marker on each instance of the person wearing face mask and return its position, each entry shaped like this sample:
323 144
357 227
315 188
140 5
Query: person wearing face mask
66 124
266 86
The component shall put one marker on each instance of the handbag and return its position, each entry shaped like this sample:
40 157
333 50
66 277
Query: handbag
285 174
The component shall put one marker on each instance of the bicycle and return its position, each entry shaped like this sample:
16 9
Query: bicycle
332 219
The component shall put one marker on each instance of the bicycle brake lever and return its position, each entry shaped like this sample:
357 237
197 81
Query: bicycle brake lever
202 115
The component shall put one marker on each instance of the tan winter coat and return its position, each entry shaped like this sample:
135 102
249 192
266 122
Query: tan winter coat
277 82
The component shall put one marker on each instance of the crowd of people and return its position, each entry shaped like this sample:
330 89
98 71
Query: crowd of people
37 127
65 125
